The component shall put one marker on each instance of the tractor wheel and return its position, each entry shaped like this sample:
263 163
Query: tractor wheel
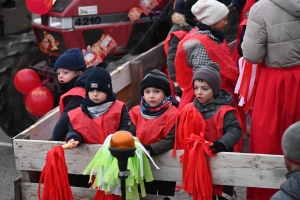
17 55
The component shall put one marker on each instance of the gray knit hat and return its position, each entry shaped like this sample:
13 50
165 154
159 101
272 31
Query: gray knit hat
156 79
210 74
291 142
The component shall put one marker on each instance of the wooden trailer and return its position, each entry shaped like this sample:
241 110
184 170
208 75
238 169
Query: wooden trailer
237 169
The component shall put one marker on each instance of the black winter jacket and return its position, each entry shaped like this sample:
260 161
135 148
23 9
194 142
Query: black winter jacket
179 23
232 130
71 102
290 189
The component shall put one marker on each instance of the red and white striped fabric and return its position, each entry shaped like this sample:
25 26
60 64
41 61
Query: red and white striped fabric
247 83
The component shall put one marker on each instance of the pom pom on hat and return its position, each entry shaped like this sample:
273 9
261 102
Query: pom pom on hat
290 143
209 12
71 59
156 79
210 74
99 79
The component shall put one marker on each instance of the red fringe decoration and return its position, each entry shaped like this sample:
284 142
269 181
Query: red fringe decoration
55 177
196 175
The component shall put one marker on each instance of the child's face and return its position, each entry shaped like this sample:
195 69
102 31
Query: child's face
66 75
203 92
153 96
220 25
97 96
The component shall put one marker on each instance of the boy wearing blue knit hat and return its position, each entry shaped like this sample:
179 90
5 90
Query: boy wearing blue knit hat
70 68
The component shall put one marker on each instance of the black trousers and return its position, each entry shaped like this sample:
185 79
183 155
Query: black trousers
155 187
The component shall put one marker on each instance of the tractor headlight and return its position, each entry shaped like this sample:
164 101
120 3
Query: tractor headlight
60 23
37 19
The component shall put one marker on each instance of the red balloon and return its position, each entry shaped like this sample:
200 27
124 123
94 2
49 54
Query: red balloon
39 7
25 80
39 101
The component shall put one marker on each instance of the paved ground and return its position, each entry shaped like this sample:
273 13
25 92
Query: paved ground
8 171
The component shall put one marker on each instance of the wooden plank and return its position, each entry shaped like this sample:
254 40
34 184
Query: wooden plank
237 169
155 58
17 189
125 94
42 129
120 77
136 76
30 192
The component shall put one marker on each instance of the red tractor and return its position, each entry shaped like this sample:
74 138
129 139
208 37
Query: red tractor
70 24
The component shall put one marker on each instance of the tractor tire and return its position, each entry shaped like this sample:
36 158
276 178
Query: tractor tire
17 55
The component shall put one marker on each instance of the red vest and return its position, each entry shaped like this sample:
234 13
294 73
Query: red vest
76 91
218 53
95 131
180 34
150 131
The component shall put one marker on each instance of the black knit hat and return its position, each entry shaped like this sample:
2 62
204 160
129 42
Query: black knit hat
180 7
291 143
188 9
156 79
71 59
210 74
99 79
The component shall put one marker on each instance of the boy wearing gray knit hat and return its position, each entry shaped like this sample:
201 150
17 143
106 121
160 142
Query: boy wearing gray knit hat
290 189
214 104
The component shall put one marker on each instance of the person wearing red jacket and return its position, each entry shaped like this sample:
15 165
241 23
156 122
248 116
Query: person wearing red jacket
153 123
206 43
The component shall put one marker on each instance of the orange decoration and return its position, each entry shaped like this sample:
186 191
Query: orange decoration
122 140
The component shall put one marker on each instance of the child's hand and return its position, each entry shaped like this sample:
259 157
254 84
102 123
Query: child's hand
217 147
74 143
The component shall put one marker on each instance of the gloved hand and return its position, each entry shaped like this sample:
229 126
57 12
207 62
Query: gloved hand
217 147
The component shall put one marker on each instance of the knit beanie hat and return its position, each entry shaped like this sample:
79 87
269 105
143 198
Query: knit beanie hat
71 59
156 79
180 7
188 9
210 74
99 79
209 12
290 142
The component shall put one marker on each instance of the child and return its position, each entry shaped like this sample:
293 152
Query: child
222 126
100 113
68 67
204 44
183 21
290 189
154 123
